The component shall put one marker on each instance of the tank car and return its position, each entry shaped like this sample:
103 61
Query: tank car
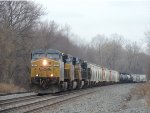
143 78
125 78
139 78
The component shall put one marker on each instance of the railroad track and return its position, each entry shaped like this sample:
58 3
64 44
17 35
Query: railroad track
5 94
11 102
38 103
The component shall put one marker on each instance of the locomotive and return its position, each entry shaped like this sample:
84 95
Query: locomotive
54 71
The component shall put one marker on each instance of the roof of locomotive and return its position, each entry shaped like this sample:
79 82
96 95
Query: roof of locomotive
46 51
38 51
52 51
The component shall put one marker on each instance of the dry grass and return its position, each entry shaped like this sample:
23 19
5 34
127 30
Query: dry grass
10 88
142 90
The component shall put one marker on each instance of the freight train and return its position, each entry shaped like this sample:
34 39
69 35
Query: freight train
53 71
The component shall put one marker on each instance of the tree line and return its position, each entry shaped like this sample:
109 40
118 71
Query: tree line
22 31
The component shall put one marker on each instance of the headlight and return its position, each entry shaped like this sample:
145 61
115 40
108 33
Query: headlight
34 65
44 62
36 75
52 75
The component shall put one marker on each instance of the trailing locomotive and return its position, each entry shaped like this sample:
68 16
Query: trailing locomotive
53 71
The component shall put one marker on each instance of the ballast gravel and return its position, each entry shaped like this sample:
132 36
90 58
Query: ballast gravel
11 96
107 99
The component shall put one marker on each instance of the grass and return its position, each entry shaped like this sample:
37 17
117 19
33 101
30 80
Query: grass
10 88
141 91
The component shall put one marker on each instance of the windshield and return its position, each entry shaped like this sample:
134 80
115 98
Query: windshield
38 55
52 55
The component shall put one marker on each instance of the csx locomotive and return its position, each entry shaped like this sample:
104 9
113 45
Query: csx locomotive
53 71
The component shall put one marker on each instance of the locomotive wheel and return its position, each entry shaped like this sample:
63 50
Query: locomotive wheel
74 85
78 85
70 85
82 84
90 84
65 86
61 86
85 84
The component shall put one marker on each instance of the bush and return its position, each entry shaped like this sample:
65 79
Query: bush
10 88
142 90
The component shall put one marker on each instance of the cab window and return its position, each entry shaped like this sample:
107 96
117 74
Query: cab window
52 56
38 55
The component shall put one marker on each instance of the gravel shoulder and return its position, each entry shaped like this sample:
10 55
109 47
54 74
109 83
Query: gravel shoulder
107 99
11 96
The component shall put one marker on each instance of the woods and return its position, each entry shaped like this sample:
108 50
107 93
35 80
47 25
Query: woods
22 31
17 19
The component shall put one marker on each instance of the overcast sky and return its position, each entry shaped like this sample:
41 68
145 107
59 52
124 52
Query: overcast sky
87 18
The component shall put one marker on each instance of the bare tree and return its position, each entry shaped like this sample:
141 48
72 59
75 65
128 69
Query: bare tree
133 51
17 19
108 50
98 43
46 33
147 34
19 15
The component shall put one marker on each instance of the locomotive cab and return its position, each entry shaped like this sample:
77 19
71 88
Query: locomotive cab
46 68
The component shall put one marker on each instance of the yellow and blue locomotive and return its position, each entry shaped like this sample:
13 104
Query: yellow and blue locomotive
47 70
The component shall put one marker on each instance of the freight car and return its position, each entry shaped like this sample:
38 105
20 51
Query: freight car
54 71
139 78
125 78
